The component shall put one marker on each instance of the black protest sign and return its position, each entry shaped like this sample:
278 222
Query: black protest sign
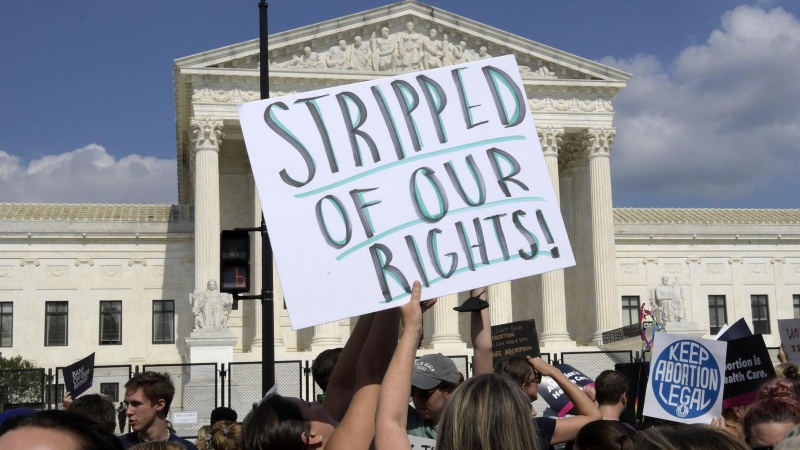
748 366
736 331
515 338
78 376
552 393
637 375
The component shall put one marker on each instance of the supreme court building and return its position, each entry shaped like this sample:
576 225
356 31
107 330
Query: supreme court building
116 279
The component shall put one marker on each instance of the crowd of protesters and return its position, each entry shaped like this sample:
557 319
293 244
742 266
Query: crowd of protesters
365 404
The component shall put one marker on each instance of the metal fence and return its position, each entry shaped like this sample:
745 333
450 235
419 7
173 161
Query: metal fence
22 387
593 363
108 380
244 383
196 390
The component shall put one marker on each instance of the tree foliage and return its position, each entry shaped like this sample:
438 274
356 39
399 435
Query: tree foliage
20 381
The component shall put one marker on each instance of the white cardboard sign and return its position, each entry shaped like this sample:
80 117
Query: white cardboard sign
418 443
790 339
687 379
184 417
436 176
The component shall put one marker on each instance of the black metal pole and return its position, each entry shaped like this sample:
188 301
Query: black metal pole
267 310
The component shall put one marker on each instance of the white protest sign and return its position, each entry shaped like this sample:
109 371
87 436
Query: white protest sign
687 377
184 417
418 443
435 176
790 339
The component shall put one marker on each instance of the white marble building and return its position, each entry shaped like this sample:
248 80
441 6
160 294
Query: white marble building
116 279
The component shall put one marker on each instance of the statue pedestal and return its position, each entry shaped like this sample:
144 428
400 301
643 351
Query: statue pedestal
691 329
211 346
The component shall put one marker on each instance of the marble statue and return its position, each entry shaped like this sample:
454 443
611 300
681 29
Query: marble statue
211 308
410 48
432 50
308 59
337 56
360 55
482 54
458 53
384 52
666 300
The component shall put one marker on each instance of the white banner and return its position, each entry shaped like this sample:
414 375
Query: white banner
790 339
687 378
436 176
418 443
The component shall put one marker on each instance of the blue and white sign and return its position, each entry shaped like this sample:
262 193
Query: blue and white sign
687 377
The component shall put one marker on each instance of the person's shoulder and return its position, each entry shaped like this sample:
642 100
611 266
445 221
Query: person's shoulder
128 440
545 424
187 444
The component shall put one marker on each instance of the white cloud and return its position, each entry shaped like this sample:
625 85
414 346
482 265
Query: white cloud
720 126
88 175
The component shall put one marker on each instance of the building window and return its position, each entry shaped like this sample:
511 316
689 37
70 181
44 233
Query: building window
111 390
630 309
163 321
111 323
760 308
796 304
56 323
717 314
6 324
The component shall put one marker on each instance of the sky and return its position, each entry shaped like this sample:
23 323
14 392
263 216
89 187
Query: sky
711 117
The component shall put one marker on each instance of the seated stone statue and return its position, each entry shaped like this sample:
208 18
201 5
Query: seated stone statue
410 48
360 55
211 308
384 51
662 300
337 57
432 51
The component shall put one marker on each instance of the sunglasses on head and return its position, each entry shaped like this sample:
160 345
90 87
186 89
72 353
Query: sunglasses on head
423 393
537 378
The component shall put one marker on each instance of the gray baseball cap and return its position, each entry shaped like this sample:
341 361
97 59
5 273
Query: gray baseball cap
431 370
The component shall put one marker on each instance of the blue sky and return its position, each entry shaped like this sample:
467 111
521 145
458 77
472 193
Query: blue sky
710 119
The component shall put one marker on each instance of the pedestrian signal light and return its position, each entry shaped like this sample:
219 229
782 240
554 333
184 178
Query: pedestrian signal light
234 264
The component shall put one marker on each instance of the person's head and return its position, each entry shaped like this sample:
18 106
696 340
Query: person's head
225 435
159 446
788 370
432 382
695 437
605 435
357 40
462 45
522 373
774 414
487 411
307 51
202 438
664 280
64 430
611 389
98 408
286 424
342 44
323 365
432 33
482 51
385 32
410 26
148 395
223 413
212 285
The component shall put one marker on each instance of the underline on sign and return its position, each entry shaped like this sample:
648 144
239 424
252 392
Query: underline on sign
409 160
464 269
419 221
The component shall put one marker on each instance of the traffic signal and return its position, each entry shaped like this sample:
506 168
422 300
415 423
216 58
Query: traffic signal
234 261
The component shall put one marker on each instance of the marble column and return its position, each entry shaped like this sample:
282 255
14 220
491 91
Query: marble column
607 306
784 307
500 303
740 303
207 138
570 273
554 328
326 336
445 324
582 246
255 266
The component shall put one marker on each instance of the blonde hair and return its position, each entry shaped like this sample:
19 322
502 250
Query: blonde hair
226 435
159 446
201 438
487 412
696 437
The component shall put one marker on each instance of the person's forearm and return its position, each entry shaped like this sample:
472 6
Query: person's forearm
379 348
395 390
481 331
343 378
583 404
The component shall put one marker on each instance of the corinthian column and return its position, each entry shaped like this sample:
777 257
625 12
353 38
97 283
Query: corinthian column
445 324
326 336
598 142
500 304
207 138
554 314
582 247
566 164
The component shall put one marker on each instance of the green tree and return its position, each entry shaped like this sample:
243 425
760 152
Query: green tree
20 382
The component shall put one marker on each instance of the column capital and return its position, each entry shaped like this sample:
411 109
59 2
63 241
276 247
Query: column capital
569 155
597 141
550 138
207 134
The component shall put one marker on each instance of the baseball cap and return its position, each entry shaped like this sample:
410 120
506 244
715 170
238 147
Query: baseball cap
431 370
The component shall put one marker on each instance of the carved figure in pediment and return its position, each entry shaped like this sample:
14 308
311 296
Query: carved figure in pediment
384 51
458 53
544 72
307 59
410 48
432 51
338 56
360 55
482 54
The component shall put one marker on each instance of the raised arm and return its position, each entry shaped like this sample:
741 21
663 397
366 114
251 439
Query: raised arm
390 423
343 379
584 410
357 429
481 330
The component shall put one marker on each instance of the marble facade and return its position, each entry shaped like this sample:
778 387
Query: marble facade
139 253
